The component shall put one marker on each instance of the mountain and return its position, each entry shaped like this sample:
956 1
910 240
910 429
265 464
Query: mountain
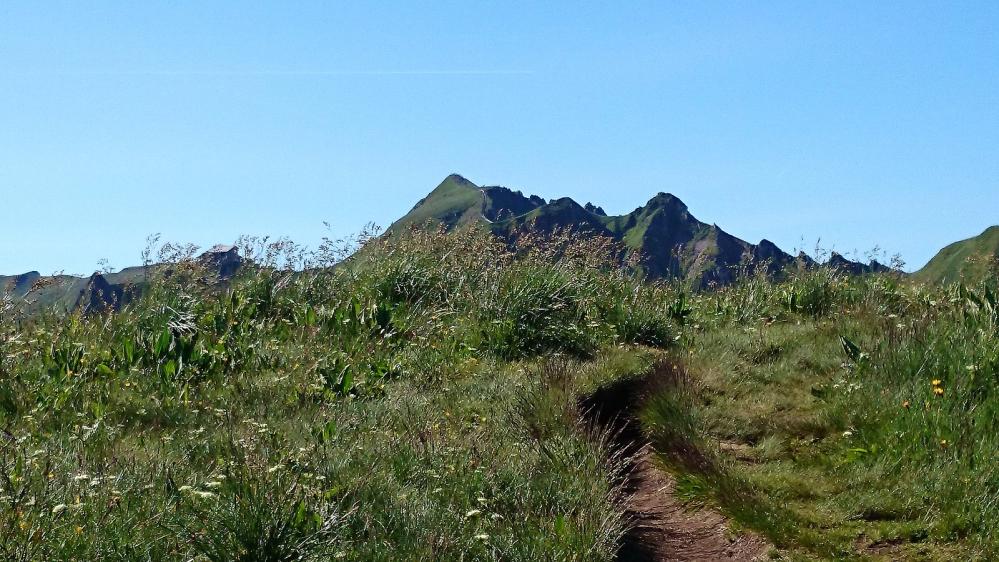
843 265
971 260
103 291
672 242
458 201
41 291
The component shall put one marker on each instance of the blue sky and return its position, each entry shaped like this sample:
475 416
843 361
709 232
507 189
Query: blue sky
857 123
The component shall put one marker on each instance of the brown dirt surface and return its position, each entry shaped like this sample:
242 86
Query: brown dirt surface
662 526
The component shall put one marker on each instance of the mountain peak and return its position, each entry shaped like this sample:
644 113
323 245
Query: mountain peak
844 265
458 179
453 201
99 295
671 241
566 202
222 258
502 203
665 200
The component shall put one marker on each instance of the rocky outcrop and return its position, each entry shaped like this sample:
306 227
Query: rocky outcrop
850 267
222 259
500 203
99 295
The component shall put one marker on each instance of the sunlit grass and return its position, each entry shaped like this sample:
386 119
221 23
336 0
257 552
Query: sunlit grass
373 410
865 426
419 399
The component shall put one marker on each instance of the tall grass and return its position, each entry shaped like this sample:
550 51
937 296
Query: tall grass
414 396
316 407
844 416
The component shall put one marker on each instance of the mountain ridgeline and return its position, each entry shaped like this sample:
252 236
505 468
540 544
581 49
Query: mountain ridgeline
672 243
103 291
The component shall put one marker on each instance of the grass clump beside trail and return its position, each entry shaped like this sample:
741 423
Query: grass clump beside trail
847 418
415 402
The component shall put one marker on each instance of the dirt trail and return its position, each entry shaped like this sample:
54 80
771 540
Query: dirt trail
662 527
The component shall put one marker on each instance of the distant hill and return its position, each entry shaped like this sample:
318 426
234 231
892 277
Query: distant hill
970 260
672 242
101 291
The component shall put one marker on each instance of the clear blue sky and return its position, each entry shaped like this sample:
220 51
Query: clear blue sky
858 123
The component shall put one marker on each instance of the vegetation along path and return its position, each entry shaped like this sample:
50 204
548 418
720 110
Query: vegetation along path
664 527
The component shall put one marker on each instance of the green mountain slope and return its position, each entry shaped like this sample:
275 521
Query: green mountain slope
970 259
457 201
672 242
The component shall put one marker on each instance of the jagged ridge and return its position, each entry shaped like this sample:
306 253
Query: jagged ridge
673 243
103 291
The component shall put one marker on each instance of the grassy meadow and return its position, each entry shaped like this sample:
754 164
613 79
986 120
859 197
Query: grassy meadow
847 418
416 402
419 400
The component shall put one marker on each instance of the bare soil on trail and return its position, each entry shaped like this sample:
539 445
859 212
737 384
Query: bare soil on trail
662 527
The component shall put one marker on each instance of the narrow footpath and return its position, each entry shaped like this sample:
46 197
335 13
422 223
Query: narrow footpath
662 527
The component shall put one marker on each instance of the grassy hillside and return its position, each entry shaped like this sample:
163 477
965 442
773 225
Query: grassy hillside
973 260
845 417
421 400
455 201
417 402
